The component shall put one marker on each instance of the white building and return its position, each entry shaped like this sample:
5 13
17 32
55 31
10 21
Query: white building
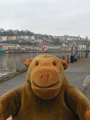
4 38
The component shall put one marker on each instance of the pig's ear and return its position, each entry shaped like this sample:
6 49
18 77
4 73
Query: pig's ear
65 64
27 62
10 118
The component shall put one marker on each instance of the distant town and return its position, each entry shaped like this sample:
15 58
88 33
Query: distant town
24 40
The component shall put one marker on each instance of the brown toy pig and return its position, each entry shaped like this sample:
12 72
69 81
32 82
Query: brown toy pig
46 94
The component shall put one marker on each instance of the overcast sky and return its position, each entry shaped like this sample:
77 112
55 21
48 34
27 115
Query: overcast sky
52 17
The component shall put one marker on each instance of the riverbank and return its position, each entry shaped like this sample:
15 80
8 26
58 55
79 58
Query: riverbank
11 75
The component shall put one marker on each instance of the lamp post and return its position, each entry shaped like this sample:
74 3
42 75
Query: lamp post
86 46
73 52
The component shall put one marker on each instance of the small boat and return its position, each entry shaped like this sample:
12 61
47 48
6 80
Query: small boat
43 48
2 50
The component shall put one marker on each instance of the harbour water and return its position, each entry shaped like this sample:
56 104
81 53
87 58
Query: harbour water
10 62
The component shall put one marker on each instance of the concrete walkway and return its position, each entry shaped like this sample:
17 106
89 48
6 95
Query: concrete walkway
77 73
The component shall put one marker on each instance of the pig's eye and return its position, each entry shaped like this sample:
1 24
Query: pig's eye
37 63
54 63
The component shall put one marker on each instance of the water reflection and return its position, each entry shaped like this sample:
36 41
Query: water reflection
11 62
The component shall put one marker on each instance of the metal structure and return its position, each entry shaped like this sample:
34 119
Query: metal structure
86 47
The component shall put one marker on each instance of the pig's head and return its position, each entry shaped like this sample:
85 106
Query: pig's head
46 75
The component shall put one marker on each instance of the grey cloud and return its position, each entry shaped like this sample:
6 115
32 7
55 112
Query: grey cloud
56 17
